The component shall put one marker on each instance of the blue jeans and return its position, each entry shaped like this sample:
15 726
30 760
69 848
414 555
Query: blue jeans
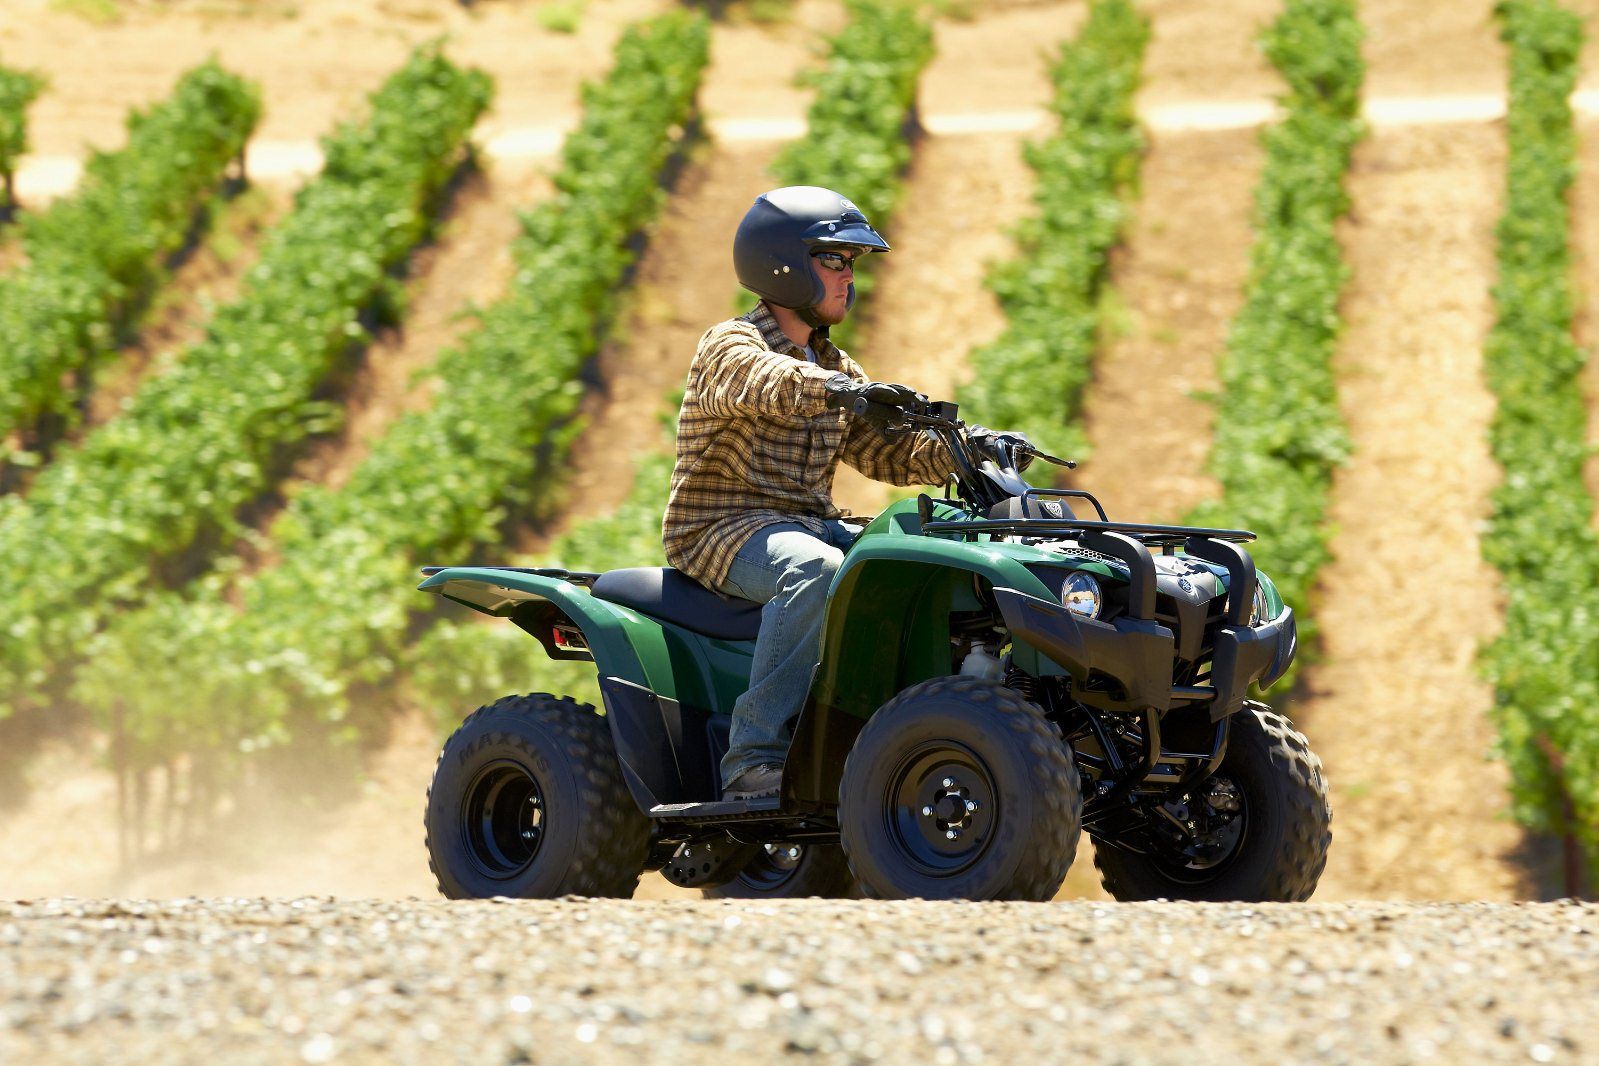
789 569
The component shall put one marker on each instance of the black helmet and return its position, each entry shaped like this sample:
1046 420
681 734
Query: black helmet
772 249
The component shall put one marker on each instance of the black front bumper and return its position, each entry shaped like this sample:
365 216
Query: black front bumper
1137 654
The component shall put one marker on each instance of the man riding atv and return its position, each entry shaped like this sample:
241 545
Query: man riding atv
771 407
974 681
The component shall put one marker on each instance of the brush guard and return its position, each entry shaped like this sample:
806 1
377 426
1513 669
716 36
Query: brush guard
1133 651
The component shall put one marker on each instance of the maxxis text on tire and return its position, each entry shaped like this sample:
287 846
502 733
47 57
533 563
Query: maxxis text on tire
1283 849
528 801
820 871
950 745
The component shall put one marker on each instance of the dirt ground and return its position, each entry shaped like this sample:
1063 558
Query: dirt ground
1407 600
1206 52
999 59
1419 239
1396 709
1417 47
1398 687
368 846
1177 282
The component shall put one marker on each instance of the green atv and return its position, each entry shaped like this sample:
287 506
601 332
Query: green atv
997 674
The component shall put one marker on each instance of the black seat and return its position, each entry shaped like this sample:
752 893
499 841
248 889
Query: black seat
673 596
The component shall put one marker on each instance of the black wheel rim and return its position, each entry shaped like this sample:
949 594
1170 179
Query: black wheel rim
941 808
773 866
1195 866
502 819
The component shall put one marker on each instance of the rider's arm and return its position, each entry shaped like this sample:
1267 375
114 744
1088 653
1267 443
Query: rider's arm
917 458
735 374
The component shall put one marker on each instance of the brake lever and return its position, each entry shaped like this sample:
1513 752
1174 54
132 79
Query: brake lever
1069 464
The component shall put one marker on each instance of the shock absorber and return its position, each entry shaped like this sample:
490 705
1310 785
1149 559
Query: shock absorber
1026 684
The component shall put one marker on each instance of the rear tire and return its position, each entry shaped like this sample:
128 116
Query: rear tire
1281 850
966 756
818 870
528 801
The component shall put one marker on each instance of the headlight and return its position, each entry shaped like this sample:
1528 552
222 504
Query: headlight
1258 614
1080 594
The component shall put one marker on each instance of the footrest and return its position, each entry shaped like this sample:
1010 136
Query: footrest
721 810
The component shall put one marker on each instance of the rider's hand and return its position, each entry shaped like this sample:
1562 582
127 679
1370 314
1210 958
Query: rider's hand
879 403
1021 448
843 391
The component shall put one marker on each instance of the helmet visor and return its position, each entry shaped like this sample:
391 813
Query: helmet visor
854 232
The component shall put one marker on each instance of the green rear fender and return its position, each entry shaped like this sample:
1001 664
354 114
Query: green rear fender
887 624
624 643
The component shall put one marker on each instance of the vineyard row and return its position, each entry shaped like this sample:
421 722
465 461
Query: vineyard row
163 482
96 257
1545 664
1032 377
1279 434
18 89
335 611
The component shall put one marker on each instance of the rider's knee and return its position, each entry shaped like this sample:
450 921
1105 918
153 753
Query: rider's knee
813 574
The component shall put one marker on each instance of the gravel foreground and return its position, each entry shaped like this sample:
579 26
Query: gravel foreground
322 980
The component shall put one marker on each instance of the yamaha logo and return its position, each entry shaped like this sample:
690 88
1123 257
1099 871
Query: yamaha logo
1052 508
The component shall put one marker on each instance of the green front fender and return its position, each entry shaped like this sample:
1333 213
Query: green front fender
624 643
887 624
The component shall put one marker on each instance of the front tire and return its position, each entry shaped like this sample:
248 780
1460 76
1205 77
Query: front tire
959 788
791 871
1279 850
528 801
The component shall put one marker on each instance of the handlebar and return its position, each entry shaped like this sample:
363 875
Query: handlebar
942 419
986 477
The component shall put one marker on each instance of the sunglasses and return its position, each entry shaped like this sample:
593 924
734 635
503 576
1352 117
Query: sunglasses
835 260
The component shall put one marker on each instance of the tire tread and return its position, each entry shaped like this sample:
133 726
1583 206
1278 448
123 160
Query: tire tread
1054 777
1293 876
615 835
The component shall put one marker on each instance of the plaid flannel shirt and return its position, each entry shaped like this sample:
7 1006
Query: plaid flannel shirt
756 444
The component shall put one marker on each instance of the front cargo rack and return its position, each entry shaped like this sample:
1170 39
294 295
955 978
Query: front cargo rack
1149 535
